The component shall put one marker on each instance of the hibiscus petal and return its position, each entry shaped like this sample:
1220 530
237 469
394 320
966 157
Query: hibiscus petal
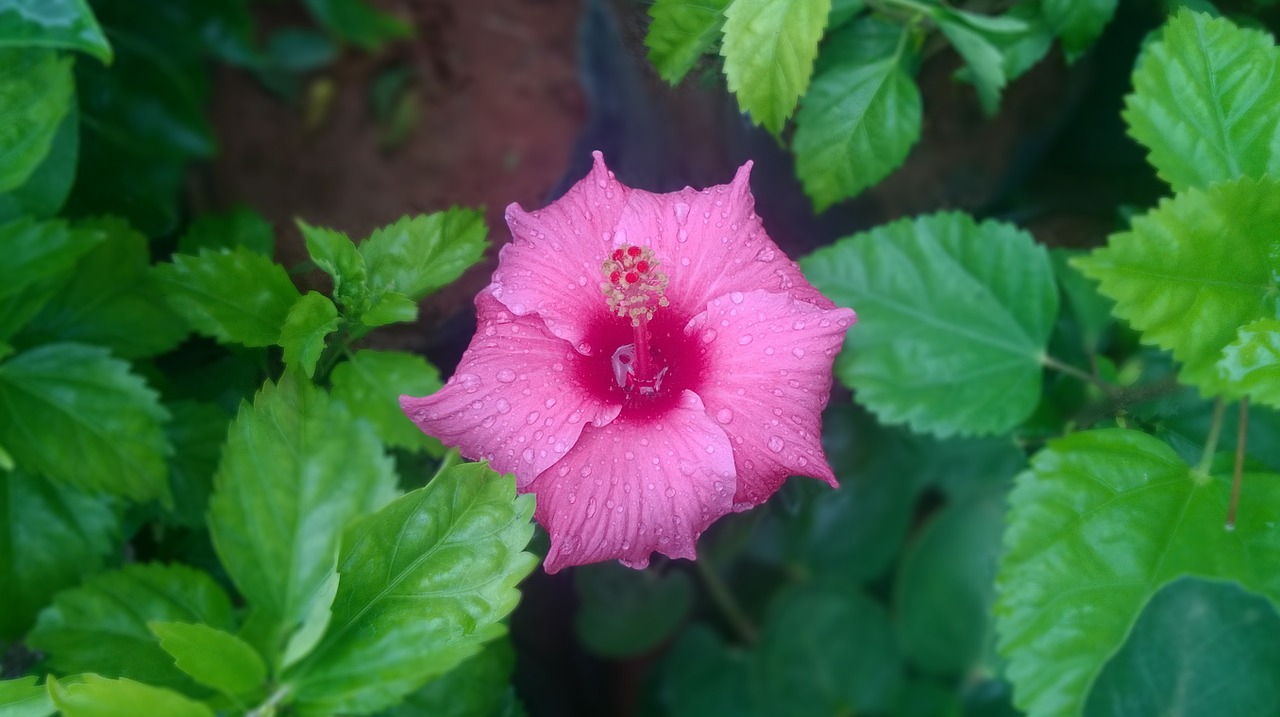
514 399
769 377
632 487
711 243
552 265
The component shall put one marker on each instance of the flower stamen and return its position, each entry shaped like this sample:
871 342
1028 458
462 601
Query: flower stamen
635 286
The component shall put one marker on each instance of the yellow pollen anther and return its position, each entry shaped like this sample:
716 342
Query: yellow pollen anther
633 285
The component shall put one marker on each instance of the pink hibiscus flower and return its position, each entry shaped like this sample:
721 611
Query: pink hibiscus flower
644 363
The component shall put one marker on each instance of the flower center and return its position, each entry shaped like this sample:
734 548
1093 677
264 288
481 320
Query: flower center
633 288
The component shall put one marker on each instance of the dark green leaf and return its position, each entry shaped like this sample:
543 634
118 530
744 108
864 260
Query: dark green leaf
110 299
843 11
101 626
1103 520
197 433
319 613
1194 270
1203 101
371 385
45 191
954 318
1192 634
67 24
297 467
97 696
35 94
81 417
299 50
214 658
238 227
859 119
1092 312
985 63
50 535
476 688
826 651
233 295
701 677
36 251
451 550
417 255
946 586
356 21
306 328
627 612
1078 22
24 698
769 47
681 32
338 257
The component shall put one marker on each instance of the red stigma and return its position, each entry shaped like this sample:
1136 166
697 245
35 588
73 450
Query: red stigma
618 255
633 250
615 276
642 266
632 277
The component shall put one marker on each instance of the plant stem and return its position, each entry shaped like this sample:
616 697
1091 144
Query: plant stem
1241 431
269 706
1211 443
728 605
1107 387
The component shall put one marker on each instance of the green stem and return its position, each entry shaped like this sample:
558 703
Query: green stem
728 605
269 706
1211 442
1107 387
1241 432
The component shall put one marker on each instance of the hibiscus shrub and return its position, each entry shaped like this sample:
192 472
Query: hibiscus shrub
212 500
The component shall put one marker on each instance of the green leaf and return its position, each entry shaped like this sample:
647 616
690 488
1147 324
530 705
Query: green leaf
702 677
101 626
1203 102
233 295
24 698
65 24
417 255
358 22
476 688
239 227
826 651
371 385
625 612
81 417
843 11
1194 270
37 251
858 121
300 50
945 586
50 536
1078 22
681 32
1091 311
313 626
46 190
297 467
954 319
984 61
110 299
36 91
213 657
97 696
391 307
1251 363
197 433
310 321
1104 519
338 257
1195 633
451 550
769 47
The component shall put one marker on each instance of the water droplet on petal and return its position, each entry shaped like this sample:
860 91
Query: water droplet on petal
724 415
736 297
798 352
469 382
506 375
744 339
591 507
685 467
776 444
671 492
527 454
682 211
549 402
708 336
503 406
